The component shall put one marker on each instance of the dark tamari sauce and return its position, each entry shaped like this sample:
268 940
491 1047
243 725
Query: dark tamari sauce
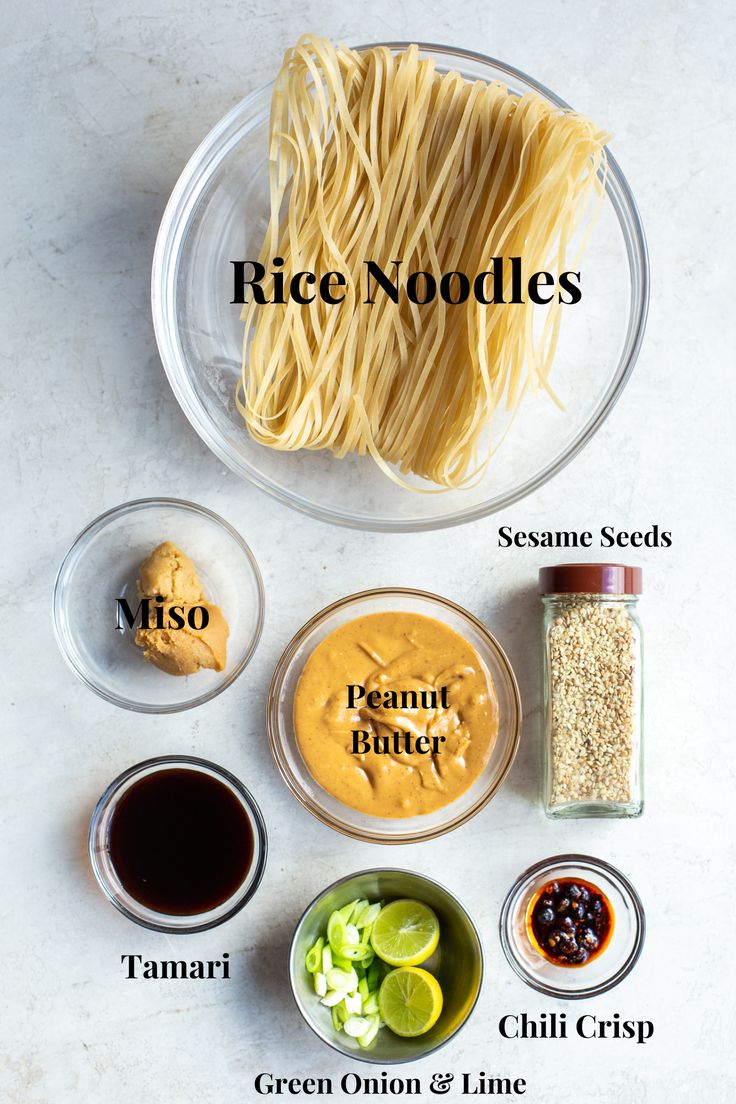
180 841
570 922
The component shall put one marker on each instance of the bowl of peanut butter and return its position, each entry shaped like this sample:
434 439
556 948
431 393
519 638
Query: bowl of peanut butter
394 715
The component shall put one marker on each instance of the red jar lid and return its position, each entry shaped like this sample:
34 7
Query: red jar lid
590 578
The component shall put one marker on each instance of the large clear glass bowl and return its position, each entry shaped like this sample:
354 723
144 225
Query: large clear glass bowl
218 213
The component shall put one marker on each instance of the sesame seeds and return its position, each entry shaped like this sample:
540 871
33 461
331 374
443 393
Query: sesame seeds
592 655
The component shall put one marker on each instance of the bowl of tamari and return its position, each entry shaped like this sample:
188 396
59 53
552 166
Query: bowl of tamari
177 844
393 715
312 451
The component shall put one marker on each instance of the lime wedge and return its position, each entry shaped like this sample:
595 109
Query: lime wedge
405 933
410 1001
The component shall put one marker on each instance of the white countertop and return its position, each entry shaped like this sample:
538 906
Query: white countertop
103 104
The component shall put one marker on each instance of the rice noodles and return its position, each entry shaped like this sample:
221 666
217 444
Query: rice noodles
375 155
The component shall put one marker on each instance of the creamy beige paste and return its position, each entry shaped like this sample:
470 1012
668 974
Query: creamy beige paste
427 683
168 572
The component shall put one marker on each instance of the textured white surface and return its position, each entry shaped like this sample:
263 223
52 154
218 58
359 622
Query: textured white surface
103 104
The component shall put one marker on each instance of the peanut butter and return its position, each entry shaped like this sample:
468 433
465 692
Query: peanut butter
395 714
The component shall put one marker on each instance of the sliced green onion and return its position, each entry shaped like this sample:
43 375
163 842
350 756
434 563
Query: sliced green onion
374 1022
341 979
368 916
333 997
356 1026
357 952
358 911
346 972
347 910
314 956
336 932
372 914
352 935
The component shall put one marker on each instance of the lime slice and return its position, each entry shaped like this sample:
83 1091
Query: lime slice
405 933
410 1001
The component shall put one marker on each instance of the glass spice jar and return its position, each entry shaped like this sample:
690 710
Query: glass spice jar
593 761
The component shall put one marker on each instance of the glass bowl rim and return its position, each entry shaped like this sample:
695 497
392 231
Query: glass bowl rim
622 884
365 1057
255 816
212 150
275 738
69 562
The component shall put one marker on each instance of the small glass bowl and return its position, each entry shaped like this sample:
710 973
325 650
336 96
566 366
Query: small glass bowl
285 748
601 973
457 963
102 565
99 832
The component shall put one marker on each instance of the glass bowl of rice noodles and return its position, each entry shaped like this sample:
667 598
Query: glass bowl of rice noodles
400 287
